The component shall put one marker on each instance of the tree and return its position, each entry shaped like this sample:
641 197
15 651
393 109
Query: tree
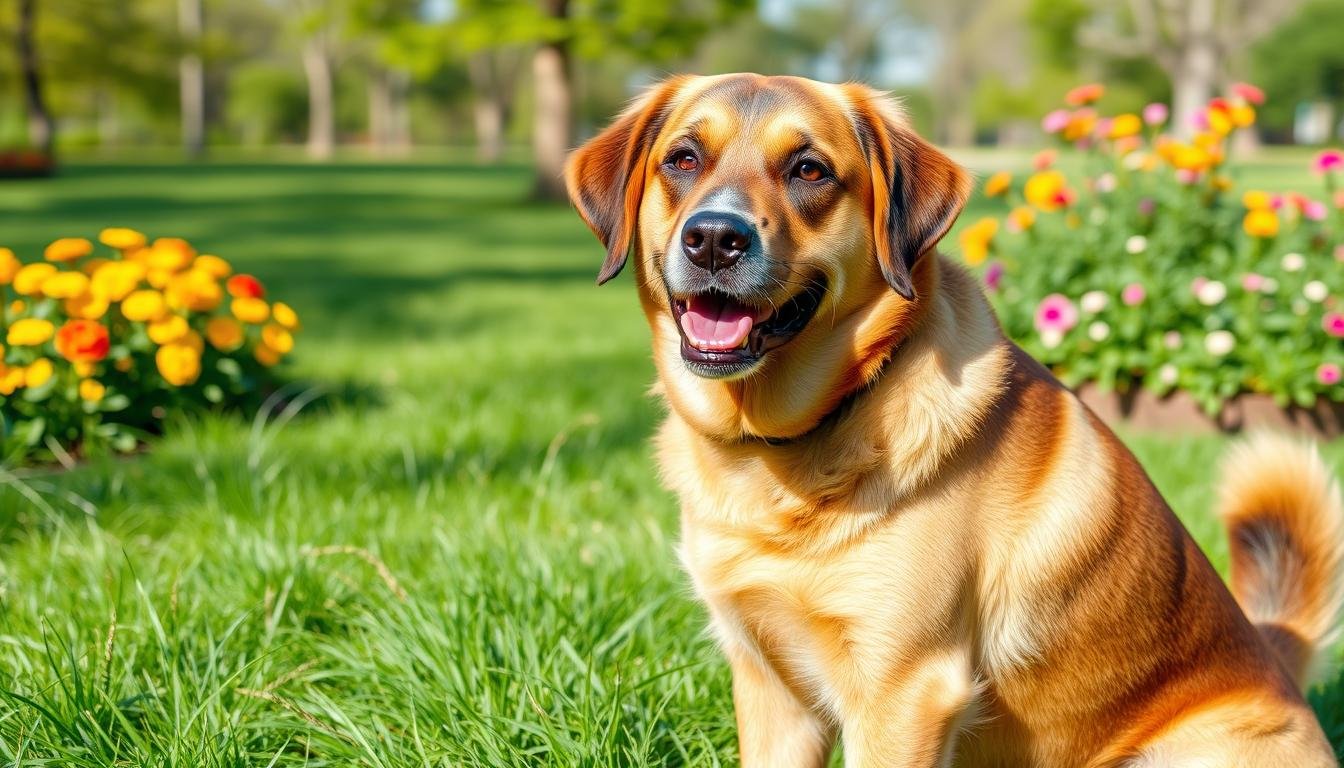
1195 42
191 23
41 126
1301 61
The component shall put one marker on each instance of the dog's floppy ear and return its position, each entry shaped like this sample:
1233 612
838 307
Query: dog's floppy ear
605 177
917 190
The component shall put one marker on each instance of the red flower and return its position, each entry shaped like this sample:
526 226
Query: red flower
82 341
245 287
1248 93
1084 94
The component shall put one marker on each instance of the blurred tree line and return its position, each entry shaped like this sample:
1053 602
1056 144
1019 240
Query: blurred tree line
387 74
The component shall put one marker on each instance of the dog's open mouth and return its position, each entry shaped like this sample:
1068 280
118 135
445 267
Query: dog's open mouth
721 335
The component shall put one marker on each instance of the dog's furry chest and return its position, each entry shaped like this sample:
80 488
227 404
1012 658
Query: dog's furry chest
827 622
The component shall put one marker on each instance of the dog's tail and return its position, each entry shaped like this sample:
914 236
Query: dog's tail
1285 522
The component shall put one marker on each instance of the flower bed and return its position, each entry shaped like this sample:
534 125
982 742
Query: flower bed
25 164
1137 264
101 347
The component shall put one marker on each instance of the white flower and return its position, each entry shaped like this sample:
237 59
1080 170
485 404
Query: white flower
1293 262
1172 339
1270 285
1106 182
1136 244
1098 331
1219 343
1135 160
1168 374
1211 293
1051 338
1093 302
1315 291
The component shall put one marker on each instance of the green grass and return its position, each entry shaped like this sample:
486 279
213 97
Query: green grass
459 555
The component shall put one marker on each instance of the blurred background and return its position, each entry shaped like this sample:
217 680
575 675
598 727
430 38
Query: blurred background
498 77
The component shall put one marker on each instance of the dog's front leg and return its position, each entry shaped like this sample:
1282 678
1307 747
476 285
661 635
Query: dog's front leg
915 722
774 728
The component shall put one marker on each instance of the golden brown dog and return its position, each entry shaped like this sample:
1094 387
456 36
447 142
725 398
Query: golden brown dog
908 534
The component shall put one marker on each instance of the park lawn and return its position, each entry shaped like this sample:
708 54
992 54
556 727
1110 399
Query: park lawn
458 555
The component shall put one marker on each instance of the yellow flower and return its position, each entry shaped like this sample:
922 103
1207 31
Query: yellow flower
89 306
11 378
29 332
158 278
1080 126
68 249
250 310
17 306
1124 126
143 306
1255 199
28 282
1261 222
170 254
285 315
65 285
213 266
282 341
998 184
1022 218
1220 122
266 356
115 280
85 368
92 265
193 290
1047 190
38 372
1188 157
224 333
121 238
9 266
974 240
1243 115
179 364
193 340
168 330
91 390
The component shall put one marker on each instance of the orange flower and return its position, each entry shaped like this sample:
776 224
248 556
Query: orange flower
213 266
11 378
1080 126
68 249
178 364
250 310
1261 222
121 238
1084 94
168 330
245 287
1021 218
115 280
91 390
9 266
266 356
998 184
974 241
285 315
170 254
224 333
193 290
89 306
83 341
282 341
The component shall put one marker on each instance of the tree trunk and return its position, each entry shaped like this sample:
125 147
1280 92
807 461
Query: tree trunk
488 107
191 70
41 127
380 110
1195 72
551 131
321 109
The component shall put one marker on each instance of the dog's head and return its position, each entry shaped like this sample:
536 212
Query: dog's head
778 226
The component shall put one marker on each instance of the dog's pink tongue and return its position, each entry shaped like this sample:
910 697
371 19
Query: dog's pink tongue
716 322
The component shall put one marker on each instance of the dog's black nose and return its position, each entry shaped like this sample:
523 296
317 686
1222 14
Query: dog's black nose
715 241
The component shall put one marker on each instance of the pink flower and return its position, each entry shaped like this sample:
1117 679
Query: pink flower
1276 202
1329 161
1055 121
1155 113
1248 93
1043 159
1133 294
1146 206
1200 120
994 275
1252 282
1339 252
1333 323
1056 314
1187 175
1198 284
1172 339
1314 210
1328 374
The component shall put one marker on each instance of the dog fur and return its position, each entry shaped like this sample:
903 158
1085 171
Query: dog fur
909 536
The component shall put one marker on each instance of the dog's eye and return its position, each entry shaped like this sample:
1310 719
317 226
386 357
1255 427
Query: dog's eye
810 170
684 160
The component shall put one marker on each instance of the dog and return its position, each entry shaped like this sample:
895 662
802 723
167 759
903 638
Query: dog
909 536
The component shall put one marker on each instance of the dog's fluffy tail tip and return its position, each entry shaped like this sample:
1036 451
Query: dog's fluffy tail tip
1285 524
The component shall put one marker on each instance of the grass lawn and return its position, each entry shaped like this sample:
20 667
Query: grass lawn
458 556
